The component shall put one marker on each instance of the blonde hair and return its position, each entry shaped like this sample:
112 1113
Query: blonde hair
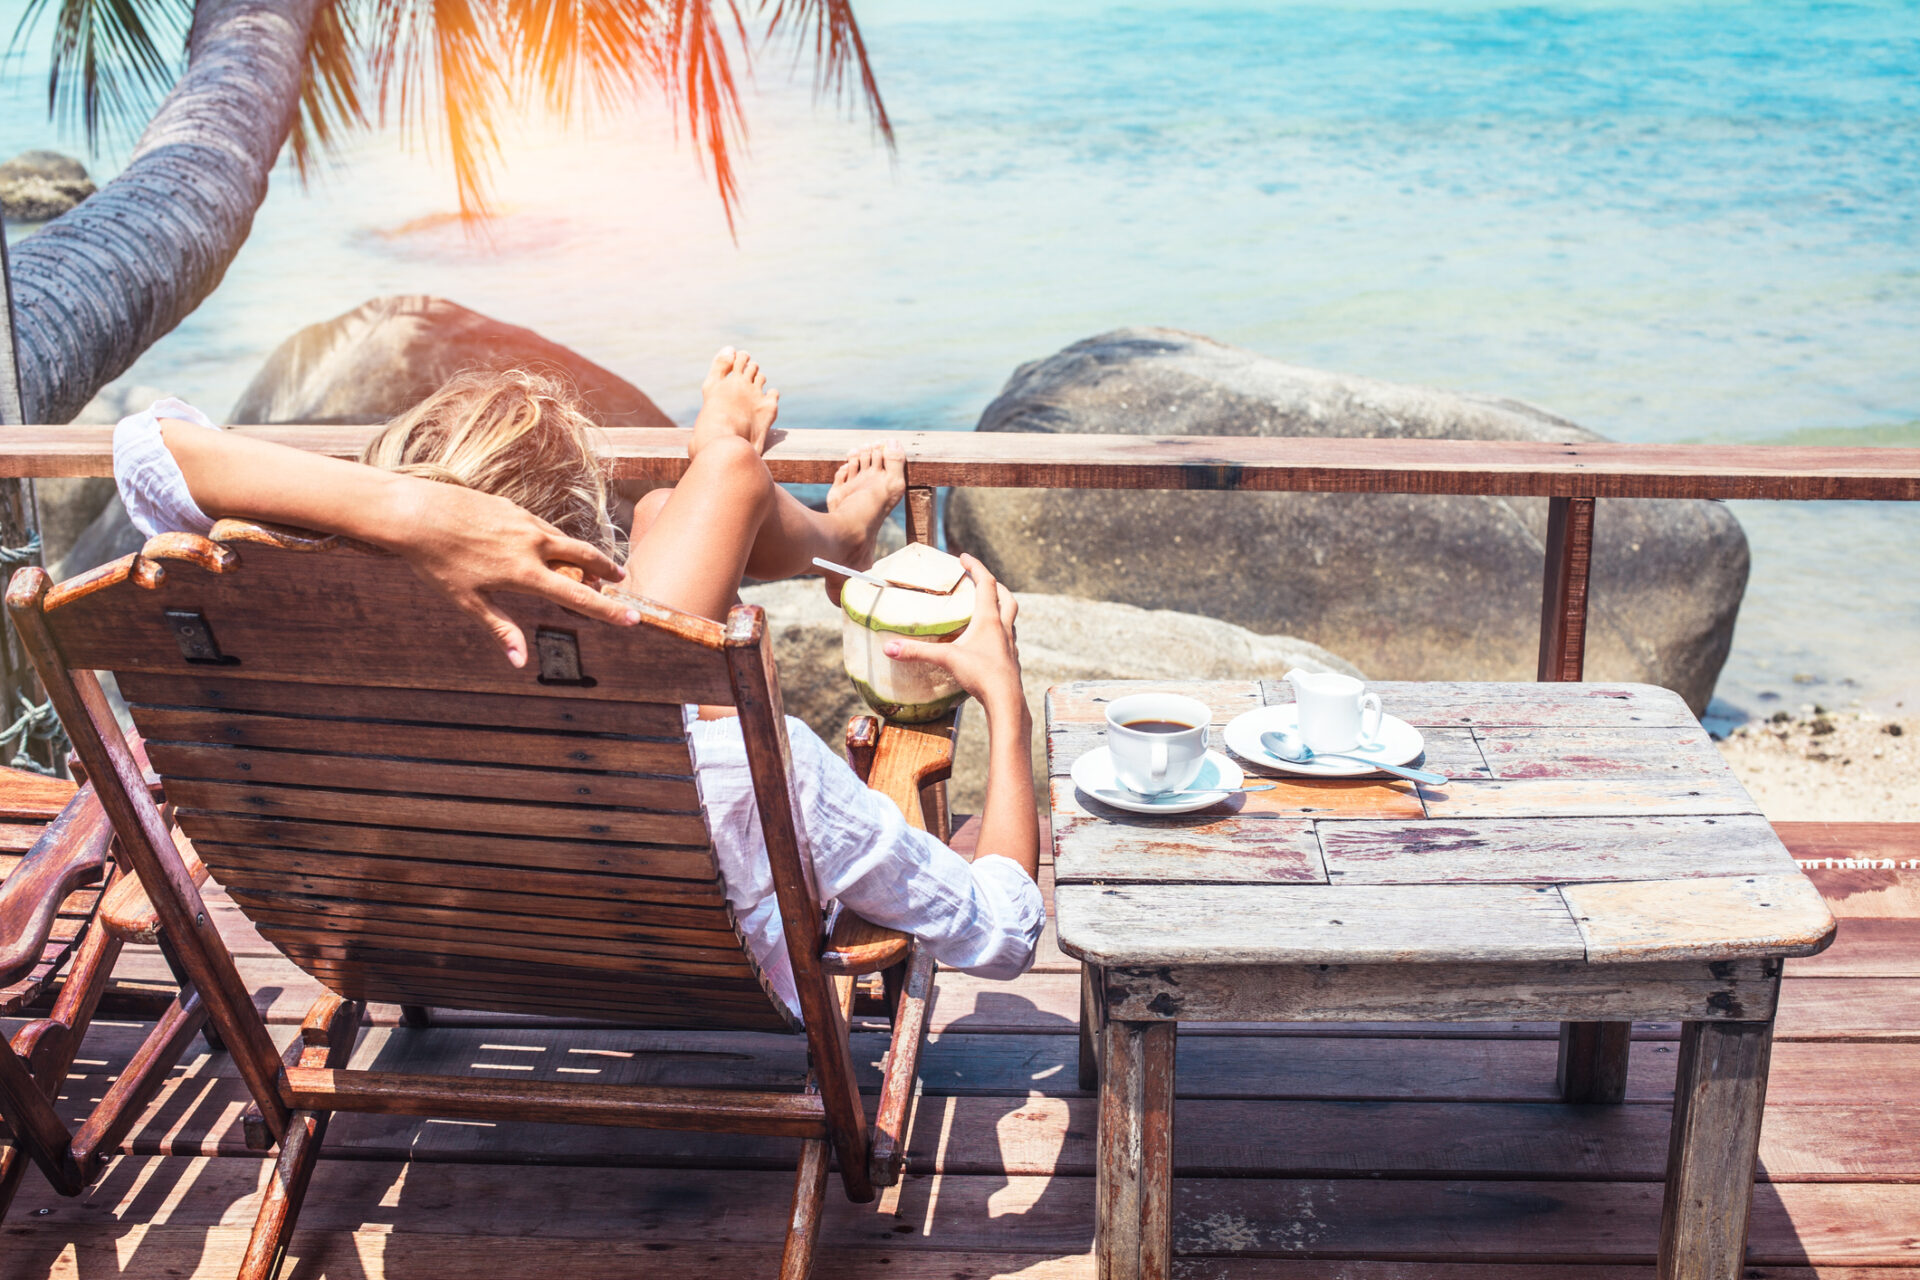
518 434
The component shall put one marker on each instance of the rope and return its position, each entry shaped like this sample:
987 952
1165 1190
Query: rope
14 557
36 723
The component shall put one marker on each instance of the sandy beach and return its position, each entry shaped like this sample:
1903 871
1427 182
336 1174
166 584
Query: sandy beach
1831 767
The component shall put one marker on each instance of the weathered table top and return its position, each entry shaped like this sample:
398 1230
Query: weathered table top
1591 822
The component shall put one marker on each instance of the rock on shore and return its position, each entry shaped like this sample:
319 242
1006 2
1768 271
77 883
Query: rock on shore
1409 587
388 354
1061 639
36 186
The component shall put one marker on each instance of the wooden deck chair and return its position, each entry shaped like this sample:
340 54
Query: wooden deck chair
54 867
412 821
66 909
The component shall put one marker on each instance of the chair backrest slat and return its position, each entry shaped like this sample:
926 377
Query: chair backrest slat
328 614
406 816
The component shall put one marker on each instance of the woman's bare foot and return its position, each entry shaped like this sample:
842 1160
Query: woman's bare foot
734 401
868 485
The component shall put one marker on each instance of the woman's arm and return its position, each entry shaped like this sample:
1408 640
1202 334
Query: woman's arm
986 662
466 543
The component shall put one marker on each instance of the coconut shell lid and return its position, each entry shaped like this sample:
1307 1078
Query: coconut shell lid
921 567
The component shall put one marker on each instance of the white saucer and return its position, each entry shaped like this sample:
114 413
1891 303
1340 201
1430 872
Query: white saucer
1399 743
1093 773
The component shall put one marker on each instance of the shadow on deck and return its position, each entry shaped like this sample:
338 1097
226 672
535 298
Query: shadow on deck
1364 1152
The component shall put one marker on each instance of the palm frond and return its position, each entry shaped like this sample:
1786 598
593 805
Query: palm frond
107 66
838 47
587 57
699 74
583 57
330 104
433 62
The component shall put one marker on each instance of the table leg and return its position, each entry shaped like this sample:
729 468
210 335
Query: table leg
1092 1018
1593 1061
1717 1101
1133 1187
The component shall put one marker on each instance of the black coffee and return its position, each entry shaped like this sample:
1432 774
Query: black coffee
1156 726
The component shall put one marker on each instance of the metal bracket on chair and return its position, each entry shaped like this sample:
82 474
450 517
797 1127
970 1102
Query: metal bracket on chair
559 656
195 638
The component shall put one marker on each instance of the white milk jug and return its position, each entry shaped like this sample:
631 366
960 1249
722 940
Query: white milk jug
1335 710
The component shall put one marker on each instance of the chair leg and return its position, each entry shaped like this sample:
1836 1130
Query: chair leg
326 1040
139 1082
13 1167
809 1200
900 1072
280 1204
50 1045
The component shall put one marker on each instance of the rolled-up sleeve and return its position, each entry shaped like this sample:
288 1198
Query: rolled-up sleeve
151 485
983 917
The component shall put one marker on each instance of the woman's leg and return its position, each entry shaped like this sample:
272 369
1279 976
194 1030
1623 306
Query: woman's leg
727 518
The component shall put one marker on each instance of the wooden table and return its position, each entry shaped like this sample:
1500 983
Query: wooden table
1593 861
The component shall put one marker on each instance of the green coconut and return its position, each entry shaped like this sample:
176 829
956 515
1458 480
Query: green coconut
909 692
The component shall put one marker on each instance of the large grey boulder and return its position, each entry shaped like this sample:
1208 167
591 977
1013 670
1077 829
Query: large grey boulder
1408 587
1061 639
388 354
36 186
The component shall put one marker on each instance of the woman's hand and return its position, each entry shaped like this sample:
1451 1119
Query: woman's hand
985 660
470 544
466 543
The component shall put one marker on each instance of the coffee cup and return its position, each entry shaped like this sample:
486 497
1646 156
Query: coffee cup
1157 741
1335 711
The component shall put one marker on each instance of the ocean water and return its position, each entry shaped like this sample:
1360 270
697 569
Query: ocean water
1664 221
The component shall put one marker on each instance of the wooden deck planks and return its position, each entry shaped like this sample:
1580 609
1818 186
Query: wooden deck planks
1329 1152
1006 1132
1439 1220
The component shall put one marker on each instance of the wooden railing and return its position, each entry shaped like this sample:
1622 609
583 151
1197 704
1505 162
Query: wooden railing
1572 475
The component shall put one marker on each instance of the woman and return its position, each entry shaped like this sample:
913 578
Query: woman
491 481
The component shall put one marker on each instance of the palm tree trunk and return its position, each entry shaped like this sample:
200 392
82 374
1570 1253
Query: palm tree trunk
105 281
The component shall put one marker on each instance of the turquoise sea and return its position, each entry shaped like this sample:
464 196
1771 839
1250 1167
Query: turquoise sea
1665 221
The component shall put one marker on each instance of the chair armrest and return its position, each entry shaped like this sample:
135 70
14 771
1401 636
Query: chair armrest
902 758
129 914
896 760
857 945
71 852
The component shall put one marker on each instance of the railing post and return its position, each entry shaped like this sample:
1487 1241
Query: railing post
921 524
1593 1055
920 516
1563 594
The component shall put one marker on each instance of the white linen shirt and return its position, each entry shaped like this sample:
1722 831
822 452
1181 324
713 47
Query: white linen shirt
982 917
